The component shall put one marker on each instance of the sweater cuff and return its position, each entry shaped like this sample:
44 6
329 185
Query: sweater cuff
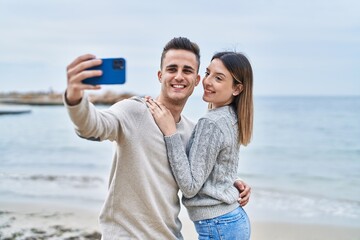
83 99
234 195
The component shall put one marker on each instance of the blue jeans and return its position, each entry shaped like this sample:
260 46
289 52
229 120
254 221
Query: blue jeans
234 225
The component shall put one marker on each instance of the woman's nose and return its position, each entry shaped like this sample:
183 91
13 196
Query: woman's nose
206 81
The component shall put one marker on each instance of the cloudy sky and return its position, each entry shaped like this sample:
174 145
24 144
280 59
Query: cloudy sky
296 47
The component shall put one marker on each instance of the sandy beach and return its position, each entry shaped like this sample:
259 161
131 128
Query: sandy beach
53 183
46 221
51 221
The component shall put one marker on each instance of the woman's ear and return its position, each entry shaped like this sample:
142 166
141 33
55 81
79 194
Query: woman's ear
238 89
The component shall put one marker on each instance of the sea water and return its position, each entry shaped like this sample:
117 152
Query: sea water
303 163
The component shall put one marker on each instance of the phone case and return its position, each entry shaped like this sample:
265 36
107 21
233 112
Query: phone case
113 72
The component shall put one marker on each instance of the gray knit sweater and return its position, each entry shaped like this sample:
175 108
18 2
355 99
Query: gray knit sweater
206 170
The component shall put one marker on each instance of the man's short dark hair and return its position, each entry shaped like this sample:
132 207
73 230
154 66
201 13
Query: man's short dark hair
181 43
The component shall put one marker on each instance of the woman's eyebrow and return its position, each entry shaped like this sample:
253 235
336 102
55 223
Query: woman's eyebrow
216 73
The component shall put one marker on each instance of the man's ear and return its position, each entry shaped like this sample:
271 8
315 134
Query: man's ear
159 75
238 89
197 80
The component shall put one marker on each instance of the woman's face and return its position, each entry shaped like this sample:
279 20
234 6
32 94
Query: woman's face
218 85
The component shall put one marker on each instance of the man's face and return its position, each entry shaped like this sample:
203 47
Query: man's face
178 76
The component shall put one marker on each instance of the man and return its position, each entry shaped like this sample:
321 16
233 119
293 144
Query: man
142 201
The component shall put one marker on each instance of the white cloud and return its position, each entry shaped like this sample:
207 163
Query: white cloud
287 42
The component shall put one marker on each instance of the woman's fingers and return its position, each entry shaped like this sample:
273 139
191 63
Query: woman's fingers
154 108
153 104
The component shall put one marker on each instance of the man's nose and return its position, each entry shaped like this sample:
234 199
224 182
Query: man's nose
179 76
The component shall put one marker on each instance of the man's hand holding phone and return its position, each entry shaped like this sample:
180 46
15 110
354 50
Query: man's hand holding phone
87 73
113 72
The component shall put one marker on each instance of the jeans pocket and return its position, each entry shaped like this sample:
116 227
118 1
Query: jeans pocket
203 229
232 216
231 226
234 225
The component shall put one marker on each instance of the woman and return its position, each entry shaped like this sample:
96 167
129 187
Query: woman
206 170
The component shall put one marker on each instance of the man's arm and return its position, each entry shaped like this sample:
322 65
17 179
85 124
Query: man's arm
244 190
89 122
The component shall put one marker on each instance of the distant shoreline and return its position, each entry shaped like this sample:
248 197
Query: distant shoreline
7 112
56 99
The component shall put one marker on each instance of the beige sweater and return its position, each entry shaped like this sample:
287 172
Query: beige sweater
142 200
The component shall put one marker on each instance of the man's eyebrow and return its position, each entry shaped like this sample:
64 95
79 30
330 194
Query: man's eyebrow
171 66
176 66
189 67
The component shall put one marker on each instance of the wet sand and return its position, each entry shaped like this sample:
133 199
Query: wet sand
32 221
51 221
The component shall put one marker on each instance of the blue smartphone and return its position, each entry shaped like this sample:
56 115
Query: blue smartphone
113 72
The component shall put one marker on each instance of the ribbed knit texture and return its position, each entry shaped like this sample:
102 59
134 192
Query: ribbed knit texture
207 169
142 201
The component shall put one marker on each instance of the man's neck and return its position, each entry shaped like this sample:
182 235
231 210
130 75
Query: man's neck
174 107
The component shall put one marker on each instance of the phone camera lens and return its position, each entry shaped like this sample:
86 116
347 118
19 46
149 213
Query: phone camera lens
118 64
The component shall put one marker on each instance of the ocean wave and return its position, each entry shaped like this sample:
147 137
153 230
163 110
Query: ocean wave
12 195
82 181
306 206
